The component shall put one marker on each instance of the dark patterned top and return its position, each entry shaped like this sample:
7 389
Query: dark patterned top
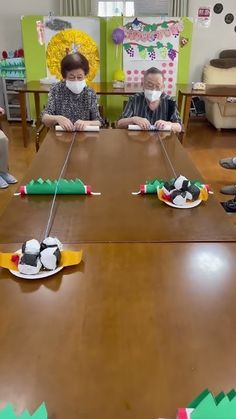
61 101
138 106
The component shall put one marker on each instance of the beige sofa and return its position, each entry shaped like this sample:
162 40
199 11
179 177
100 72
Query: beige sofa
220 112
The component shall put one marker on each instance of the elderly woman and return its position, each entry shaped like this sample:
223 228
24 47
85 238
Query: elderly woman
5 177
71 103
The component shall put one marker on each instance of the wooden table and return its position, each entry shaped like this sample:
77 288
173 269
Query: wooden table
135 332
115 163
138 328
186 91
38 88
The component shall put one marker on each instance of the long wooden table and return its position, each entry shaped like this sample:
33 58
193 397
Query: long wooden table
138 328
186 91
115 163
37 88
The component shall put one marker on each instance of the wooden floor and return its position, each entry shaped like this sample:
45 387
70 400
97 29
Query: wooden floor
204 143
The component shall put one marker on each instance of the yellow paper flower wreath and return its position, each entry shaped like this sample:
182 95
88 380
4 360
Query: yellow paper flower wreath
65 41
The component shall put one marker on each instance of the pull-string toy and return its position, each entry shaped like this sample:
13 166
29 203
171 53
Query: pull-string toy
167 155
51 213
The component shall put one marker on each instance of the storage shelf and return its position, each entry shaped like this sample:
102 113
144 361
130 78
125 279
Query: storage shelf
13 110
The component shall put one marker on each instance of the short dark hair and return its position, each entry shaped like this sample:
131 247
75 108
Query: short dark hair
74 62
153 70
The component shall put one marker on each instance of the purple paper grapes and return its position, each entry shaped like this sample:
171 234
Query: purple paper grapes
152 55
130 51
172 54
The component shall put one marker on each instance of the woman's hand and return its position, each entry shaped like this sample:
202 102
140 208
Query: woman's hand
65 123
80 124
141 122
2 111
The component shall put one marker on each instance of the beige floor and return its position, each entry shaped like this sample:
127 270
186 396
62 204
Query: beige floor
204 143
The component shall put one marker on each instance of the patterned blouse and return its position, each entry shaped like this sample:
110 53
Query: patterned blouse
138 106
61 101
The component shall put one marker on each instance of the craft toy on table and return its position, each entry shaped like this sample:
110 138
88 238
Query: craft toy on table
34 259
86 129
151 128
178 191
206 406
8 413
61 187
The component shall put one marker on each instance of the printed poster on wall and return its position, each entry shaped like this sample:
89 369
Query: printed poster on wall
204 16
152 42
62 35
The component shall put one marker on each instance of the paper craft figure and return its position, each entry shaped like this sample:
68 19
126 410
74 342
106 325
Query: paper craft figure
178 190
35 257
222 406
8 413
64 187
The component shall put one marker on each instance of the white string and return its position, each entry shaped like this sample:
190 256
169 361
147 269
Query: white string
167 156
47 231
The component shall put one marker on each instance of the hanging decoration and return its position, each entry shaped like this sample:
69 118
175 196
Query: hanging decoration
153 52
40 31
152 41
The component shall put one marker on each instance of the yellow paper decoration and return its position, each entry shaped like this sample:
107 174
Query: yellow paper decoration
68 258
64 41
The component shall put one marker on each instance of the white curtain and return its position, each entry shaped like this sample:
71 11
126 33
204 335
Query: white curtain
75 7
178 8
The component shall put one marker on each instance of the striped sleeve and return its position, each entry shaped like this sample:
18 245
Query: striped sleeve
129 109
173 113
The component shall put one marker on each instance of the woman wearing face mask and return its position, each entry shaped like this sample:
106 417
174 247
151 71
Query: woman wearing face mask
152 106
71 103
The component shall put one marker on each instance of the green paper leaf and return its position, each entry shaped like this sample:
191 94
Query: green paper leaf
169 45
7 412
159 45
146 28
41 412
150 49
126 46
153 27
164 25
141 48
194 403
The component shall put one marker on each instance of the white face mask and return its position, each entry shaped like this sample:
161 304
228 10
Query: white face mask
152 95
76 86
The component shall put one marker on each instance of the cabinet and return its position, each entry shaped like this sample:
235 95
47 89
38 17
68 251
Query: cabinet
11 98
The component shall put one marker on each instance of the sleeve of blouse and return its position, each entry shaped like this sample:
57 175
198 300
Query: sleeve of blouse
50 107
94 111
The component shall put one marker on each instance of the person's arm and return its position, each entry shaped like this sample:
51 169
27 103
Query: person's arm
95 118
172 121
128 118
49 115
174 117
